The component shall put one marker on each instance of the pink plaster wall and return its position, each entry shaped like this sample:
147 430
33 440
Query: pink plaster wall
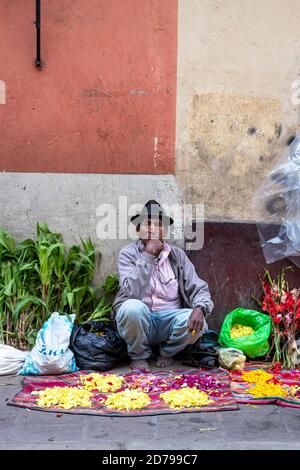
104 101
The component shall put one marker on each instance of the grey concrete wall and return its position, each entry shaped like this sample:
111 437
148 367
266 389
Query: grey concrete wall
237 98
69 202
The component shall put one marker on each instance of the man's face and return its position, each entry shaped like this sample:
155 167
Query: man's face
152 228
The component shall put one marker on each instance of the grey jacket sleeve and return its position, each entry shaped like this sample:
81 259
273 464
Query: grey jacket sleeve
135 273
196 289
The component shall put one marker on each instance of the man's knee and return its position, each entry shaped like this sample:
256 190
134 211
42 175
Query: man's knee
181 328
132 310
182 320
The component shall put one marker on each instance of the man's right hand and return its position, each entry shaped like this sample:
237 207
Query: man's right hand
154 247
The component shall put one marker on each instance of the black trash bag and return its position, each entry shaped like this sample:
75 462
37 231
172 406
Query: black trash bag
96 346
203 353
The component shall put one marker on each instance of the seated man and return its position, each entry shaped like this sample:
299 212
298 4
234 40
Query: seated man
161 300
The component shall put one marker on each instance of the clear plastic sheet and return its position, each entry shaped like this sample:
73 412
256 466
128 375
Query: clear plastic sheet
277 204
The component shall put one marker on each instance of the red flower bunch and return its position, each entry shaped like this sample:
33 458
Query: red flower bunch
283 306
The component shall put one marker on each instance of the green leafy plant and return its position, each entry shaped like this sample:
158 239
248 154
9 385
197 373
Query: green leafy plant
38 277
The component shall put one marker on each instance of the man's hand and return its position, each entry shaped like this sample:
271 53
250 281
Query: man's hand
154 247
196 320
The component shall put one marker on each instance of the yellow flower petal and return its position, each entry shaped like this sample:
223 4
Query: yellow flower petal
267 390
128 400
185 398
63 397
256 376
101 382
238 330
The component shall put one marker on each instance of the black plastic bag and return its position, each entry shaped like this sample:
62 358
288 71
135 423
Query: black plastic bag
203 353
96 346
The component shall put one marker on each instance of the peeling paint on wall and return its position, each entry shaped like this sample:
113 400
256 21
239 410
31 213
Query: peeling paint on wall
233 141
2 92
155 151
238 129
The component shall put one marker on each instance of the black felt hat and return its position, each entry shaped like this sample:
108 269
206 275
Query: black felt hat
152 209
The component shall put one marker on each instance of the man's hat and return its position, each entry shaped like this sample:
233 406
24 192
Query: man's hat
152 209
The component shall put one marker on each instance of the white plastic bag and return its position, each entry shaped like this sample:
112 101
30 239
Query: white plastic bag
51 353
11 359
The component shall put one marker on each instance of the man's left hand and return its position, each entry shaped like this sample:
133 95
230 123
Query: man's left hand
196 320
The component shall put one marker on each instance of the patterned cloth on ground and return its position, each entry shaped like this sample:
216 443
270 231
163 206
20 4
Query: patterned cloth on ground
215 381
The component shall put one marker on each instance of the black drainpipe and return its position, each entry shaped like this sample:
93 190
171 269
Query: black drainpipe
37 22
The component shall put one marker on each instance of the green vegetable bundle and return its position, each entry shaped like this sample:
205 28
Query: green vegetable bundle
38 277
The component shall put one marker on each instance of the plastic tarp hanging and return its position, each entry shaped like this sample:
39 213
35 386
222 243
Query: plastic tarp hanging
277 204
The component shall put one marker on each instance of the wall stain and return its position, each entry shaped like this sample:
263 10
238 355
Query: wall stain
290 139
234 141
